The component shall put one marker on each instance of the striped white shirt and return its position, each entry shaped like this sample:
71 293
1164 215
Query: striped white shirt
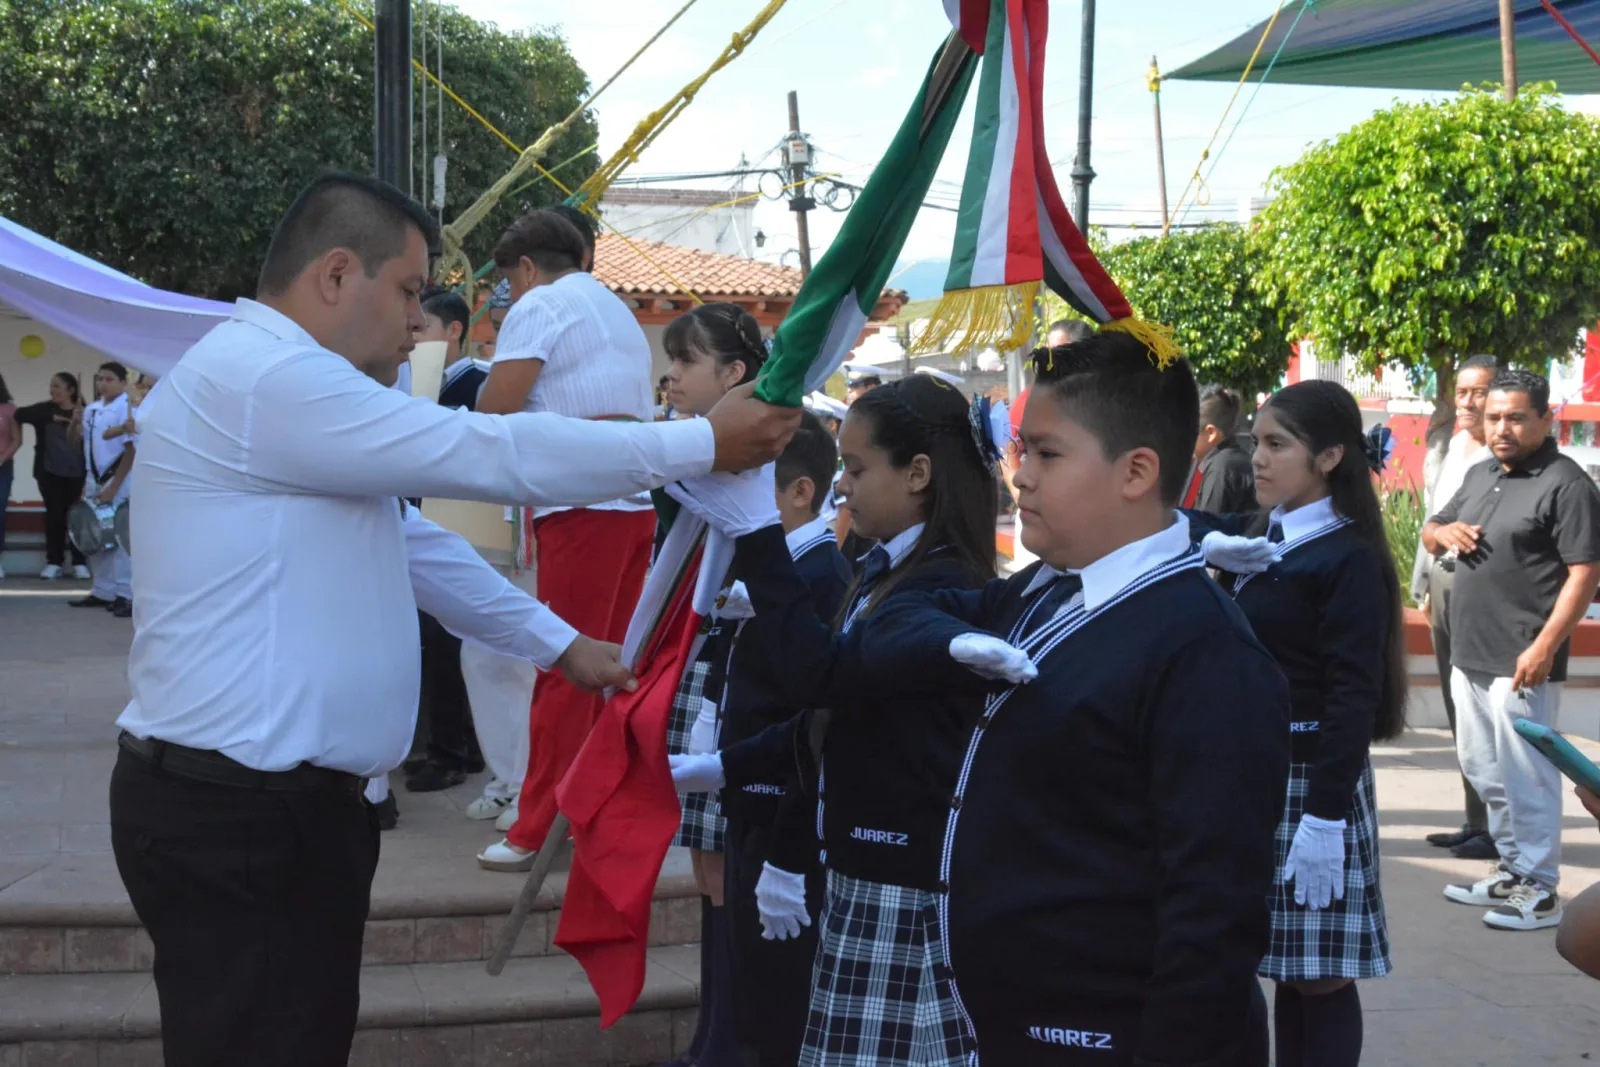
596 358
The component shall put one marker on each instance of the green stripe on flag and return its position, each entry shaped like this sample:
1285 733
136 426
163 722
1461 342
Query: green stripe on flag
980 160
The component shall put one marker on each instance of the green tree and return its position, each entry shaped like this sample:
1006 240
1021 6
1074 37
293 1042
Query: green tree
1200 284
165 137
1433 231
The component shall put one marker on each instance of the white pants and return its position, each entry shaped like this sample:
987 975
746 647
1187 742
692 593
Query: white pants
1521 789
500 690
113 575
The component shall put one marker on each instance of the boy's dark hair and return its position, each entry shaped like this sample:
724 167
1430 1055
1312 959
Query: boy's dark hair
921 415
1220 407
544 237
115 368
1076 330
726 332
1110 385
1516 380
340 210
582 223
448 306
1321 415
811 453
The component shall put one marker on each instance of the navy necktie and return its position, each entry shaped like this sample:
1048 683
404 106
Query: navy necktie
1057 593
1275 533
877 564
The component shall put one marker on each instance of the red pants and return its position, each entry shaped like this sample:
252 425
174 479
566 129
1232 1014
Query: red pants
591 571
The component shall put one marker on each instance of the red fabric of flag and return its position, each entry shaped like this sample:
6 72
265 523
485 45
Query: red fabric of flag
624 810
1192 494
1591 365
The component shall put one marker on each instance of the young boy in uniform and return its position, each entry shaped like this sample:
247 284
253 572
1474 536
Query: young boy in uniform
1109 848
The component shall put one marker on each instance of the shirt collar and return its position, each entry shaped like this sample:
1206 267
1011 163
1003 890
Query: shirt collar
1308 519
456 370
901 545
1534 465
1115 571
802 536
273 321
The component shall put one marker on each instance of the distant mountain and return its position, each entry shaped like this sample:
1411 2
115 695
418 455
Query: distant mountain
923 279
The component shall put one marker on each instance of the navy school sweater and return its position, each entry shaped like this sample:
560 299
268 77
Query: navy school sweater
889 759
1110 845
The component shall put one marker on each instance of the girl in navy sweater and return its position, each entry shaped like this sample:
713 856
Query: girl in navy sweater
1328 609
922 484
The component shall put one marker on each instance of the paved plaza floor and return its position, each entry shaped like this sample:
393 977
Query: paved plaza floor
1461 993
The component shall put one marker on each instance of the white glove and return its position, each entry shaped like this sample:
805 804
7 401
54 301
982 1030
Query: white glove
736 504
1316 862
1237 555
697 774
989 657
735 603
703 734
781 902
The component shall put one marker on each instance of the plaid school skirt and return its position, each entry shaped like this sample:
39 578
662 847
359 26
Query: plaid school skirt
1350 938
880 988
703 826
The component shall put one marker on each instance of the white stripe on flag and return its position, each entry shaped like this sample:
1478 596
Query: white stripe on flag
1056 253
844 327
989 254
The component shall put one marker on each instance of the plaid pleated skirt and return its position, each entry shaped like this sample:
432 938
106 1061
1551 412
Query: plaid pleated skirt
1350 938
703 826
880 988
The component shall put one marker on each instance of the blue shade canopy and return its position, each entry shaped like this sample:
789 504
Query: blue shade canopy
1412 44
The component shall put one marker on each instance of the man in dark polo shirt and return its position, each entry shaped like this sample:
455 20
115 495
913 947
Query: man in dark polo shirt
1524 531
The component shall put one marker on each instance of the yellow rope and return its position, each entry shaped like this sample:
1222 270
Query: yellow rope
1166 226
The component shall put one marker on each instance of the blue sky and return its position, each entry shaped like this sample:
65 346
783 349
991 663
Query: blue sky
857 63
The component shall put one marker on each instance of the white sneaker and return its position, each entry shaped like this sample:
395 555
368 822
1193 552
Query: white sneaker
1488 892
507 820
81 573
487 807
504 856
1530 907
50 573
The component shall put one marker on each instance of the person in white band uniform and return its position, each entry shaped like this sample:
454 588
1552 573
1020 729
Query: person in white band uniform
275 653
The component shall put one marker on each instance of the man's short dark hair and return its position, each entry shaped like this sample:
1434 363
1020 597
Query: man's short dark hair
584 224
544 237
1480 362
448 306
339 210
1516 380
1075 329
1111 386
811 453
1220 407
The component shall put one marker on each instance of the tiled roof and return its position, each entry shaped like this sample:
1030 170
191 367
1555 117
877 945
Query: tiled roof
709 274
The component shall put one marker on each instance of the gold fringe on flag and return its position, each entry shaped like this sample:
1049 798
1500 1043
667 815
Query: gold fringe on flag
1159 339
990 316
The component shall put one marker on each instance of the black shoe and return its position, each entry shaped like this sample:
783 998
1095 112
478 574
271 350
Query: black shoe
122 608
1480 846
91 601
1454 838
388 813
433 777
414 764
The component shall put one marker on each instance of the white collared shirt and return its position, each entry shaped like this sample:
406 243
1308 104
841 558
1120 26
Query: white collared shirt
1115 571
1453 471
900 545
98 453
1303 520
276 592
803 537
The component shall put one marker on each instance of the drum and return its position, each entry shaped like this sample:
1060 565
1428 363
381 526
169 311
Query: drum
120 526
92 527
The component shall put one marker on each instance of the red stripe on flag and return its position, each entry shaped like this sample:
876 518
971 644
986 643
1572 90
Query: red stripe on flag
974 28
624 810
1024 259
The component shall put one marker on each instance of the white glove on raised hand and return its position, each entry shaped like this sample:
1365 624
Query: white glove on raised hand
736 504
1237 555
1316 862
989 657
735 603
703 734
697 774
781 902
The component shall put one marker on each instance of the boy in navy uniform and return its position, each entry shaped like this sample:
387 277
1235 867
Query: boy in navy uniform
1109 848
772 963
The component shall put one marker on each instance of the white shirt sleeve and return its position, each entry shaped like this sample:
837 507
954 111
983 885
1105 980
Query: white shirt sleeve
316 424
473 601
529 331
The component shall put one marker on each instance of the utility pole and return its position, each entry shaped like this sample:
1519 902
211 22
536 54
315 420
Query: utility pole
797 153
1082 173
1152 78
1508 47
391 157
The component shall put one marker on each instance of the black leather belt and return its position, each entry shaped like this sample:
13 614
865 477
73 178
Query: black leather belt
204 765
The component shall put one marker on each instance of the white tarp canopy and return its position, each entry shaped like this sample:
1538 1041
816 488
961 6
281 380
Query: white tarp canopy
145 328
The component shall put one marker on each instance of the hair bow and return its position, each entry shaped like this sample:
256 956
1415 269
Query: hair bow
1379 446
985 421
500 295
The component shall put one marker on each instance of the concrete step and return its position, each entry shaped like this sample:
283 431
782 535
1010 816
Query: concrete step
75 918
539 1011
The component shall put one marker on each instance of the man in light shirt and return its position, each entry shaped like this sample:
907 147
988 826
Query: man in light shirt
568 346
275 653
108 455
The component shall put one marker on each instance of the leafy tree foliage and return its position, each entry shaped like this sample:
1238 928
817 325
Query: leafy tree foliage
165 137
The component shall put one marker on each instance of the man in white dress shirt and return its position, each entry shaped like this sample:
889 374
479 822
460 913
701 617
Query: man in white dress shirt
108 455
275 655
